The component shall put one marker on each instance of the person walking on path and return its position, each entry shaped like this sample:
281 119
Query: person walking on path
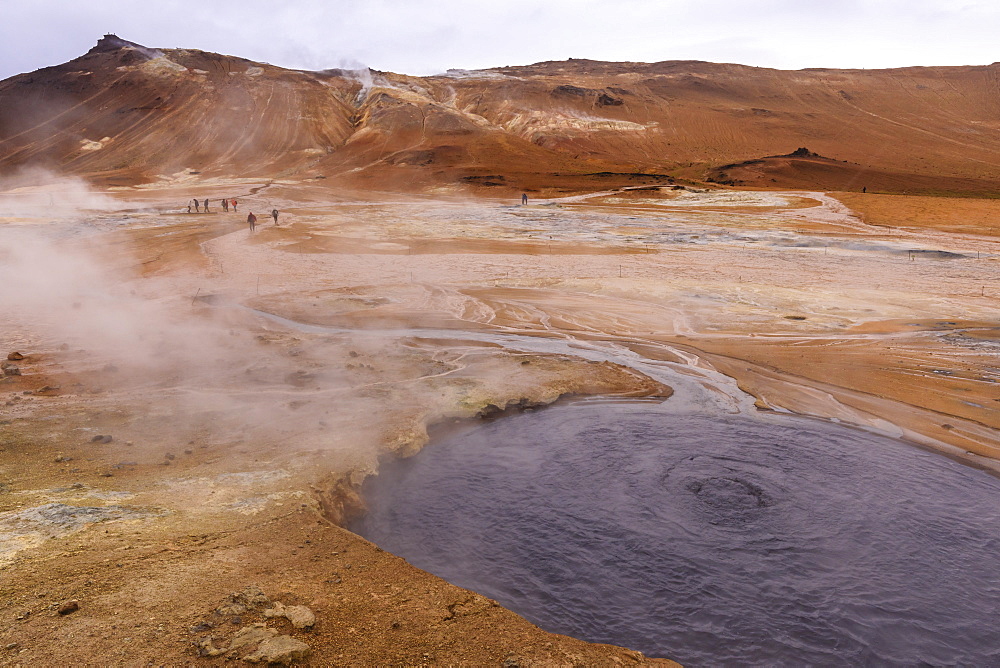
274 214
189 207
252 219
206 205
197 204
234 206
524 199
225 205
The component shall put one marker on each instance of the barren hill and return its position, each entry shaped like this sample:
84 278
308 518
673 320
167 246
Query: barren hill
123 113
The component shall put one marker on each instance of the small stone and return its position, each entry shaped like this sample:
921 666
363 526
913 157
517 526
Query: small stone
170 456
280 651
10 369
68 607
15 356
11 646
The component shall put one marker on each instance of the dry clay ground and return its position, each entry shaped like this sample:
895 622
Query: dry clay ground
197 407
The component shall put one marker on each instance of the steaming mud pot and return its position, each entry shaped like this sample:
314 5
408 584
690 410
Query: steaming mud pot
743 540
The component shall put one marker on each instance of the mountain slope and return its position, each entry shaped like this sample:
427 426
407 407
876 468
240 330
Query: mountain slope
124 113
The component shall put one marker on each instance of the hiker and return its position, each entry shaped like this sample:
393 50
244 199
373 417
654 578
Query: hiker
234 206
252 219
225 204
864 189
189 207
196 206
206 205
274 214
524 199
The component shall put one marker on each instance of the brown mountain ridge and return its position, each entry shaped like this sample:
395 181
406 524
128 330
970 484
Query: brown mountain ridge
123 114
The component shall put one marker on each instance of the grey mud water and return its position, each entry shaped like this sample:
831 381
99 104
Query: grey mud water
737 540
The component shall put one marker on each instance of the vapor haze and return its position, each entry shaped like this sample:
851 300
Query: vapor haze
85 295
422 37
38 192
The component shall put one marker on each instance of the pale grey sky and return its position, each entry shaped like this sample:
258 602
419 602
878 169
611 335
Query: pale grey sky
424 36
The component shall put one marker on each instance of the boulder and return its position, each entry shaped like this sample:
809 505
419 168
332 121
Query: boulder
15 356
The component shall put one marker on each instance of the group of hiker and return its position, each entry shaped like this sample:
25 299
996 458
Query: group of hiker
226 203
198 205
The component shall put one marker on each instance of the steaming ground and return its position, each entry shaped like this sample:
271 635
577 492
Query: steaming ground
249 382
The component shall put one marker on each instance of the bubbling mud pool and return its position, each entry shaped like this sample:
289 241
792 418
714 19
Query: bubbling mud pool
738 540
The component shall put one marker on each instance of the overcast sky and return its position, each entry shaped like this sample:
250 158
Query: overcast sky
425 36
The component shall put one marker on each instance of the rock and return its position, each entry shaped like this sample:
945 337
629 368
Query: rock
206 647
102 438
68 607
230 607
300 616
251 635
239 602
10 369
15 356
279 651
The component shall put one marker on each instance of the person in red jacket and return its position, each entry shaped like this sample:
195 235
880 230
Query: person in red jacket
252 219
234 206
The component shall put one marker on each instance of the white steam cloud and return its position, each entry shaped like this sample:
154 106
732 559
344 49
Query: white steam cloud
38 192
